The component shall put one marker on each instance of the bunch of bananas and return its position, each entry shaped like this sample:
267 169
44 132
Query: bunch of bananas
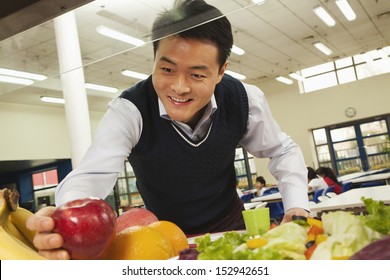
15 238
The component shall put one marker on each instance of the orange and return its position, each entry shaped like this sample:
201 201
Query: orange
173 233
140 243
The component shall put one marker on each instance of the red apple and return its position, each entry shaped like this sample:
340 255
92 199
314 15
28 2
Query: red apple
87 227
135 217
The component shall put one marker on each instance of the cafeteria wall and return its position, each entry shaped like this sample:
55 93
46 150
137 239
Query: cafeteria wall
40 132
298 113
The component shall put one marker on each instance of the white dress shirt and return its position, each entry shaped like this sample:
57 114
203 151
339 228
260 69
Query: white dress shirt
121 127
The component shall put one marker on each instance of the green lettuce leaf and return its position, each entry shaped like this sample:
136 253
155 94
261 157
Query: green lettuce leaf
378 217
347 234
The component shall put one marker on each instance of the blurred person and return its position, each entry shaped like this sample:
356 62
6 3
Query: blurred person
315 182
330 178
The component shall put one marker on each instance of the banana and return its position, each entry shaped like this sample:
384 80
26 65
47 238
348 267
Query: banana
14 249
19 218
15 243
11 229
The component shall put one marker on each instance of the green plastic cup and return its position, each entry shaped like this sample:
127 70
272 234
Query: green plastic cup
257 221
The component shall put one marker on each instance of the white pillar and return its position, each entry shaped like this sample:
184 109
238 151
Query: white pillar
73 85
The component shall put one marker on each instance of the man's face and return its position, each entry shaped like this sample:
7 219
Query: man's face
185 74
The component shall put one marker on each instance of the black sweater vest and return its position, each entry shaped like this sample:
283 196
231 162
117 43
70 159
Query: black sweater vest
190 185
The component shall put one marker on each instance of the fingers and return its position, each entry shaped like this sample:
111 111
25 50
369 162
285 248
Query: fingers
41 221
45 240
294 212
48 241
55 254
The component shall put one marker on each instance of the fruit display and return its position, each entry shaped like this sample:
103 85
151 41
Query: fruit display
88 227
16 240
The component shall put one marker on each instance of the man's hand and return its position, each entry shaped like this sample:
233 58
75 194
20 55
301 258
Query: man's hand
46 241
294 211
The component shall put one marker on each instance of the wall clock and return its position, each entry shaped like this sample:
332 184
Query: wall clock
350 112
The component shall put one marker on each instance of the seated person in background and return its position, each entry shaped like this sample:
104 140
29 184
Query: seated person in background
239 191
260 185
330 178
315 182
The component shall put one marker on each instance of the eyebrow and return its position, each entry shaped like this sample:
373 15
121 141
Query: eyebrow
198 67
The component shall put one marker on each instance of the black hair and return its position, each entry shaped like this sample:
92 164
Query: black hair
327 172
260 179
195 19
311 173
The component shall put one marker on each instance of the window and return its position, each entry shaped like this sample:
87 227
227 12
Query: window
345 70
126 188
353 147
44 184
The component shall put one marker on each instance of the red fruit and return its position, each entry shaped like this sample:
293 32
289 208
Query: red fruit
135 217
87 227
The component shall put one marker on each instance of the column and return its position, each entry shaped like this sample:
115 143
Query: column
73 85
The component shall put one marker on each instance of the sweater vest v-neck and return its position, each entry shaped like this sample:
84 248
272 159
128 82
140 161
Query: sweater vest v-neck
186 182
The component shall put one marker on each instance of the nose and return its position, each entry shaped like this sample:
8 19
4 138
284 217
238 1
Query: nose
179 84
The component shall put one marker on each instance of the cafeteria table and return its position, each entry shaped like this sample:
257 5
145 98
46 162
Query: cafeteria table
352 200
274 197
371 178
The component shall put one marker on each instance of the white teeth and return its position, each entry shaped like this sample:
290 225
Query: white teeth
180 100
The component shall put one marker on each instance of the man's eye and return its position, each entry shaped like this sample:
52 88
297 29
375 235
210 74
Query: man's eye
167 70
198 76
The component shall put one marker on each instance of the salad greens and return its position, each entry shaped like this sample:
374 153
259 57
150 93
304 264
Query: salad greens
378 217
346 233
286 241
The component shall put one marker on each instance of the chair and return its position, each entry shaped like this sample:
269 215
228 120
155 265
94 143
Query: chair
270 191
247 197
276 210
329 189
346 187
317 194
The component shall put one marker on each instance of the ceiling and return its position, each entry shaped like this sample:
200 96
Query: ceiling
277 36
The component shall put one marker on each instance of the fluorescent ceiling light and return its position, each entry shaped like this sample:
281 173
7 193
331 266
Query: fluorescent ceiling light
237 50
14 80
284 80
296 76
324 16
346 9
323 48
259 2
134 74
52 99
235 75
21 74
119 36
101 88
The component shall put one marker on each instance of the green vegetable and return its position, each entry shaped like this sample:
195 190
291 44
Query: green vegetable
378 217
347 234
284 242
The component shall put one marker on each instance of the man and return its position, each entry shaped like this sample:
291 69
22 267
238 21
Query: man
180 128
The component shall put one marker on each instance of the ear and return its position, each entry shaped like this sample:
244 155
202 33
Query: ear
222 71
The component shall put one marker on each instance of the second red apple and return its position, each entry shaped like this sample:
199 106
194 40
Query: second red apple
135 217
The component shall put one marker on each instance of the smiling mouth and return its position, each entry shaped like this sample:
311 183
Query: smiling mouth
179 100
